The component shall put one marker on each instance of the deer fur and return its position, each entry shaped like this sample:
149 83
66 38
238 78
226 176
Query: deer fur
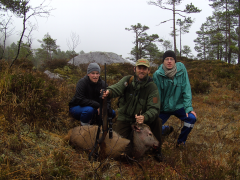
83 137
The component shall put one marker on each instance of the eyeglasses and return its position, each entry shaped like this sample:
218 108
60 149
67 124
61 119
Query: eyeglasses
169 59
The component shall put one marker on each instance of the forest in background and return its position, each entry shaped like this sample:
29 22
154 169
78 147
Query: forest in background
218 38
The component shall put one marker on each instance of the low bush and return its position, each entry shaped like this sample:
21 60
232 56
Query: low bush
53 64
198 86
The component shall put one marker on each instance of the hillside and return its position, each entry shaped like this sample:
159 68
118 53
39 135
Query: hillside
34 119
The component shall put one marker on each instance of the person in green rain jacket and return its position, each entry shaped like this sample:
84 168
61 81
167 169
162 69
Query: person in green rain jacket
174 88
138 102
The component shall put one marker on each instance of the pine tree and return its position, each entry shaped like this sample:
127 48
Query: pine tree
202 43
190 8
49 45
143 41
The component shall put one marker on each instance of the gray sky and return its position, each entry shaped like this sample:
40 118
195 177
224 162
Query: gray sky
101 24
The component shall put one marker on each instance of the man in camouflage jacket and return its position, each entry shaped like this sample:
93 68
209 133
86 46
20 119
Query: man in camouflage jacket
139 102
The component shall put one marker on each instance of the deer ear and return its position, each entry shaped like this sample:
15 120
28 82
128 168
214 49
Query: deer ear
136 128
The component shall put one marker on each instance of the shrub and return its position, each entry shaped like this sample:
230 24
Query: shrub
24 63
53 64
121 68
31 98
200 86
224 73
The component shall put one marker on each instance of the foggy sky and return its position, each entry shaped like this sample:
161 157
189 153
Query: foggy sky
101 24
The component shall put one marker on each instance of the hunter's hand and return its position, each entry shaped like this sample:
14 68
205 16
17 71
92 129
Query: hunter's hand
192 113
105 94
139 119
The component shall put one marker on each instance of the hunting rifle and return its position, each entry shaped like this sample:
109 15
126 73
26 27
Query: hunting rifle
104 119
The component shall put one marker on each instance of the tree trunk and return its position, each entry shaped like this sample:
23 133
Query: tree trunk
229 44
136 46
239 33
180 41
20 41
174 29
204 45
218 49
226 33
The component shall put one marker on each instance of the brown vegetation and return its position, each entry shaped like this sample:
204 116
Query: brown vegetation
34 118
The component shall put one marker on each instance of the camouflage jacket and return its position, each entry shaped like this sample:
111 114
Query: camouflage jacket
136 97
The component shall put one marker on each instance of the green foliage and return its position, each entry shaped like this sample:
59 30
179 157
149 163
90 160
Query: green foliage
144 43
202 43
186 50
16 6
24 84
24 63
25 53
224 73
48 45
167 45
121 69
32 98
190 8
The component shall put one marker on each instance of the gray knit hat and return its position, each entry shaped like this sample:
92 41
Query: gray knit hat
93 67
170 53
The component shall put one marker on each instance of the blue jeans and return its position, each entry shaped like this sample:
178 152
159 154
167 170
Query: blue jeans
188 122
85 114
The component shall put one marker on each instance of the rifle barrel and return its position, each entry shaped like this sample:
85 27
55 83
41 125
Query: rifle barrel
105 76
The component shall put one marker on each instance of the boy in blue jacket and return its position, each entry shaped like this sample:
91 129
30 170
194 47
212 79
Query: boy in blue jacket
175 93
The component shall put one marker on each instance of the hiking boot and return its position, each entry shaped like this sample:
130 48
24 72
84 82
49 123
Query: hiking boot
167 130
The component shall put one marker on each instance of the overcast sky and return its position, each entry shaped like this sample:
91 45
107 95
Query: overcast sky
101 24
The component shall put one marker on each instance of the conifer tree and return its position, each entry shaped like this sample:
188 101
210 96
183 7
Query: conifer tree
48 45
202 43
184 26
190 8
142 40
224 10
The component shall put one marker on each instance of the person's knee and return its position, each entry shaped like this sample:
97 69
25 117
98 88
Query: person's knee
75 113
90 110
191 118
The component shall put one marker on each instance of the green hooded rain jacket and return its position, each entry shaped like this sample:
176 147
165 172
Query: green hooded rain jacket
176 93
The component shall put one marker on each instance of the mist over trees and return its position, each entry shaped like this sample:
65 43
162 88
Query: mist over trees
22 49
217 39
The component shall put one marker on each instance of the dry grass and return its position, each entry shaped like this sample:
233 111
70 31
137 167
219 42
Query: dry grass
34 118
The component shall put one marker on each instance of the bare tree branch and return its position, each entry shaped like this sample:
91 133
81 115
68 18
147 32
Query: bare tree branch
73 43
5 35
39 11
